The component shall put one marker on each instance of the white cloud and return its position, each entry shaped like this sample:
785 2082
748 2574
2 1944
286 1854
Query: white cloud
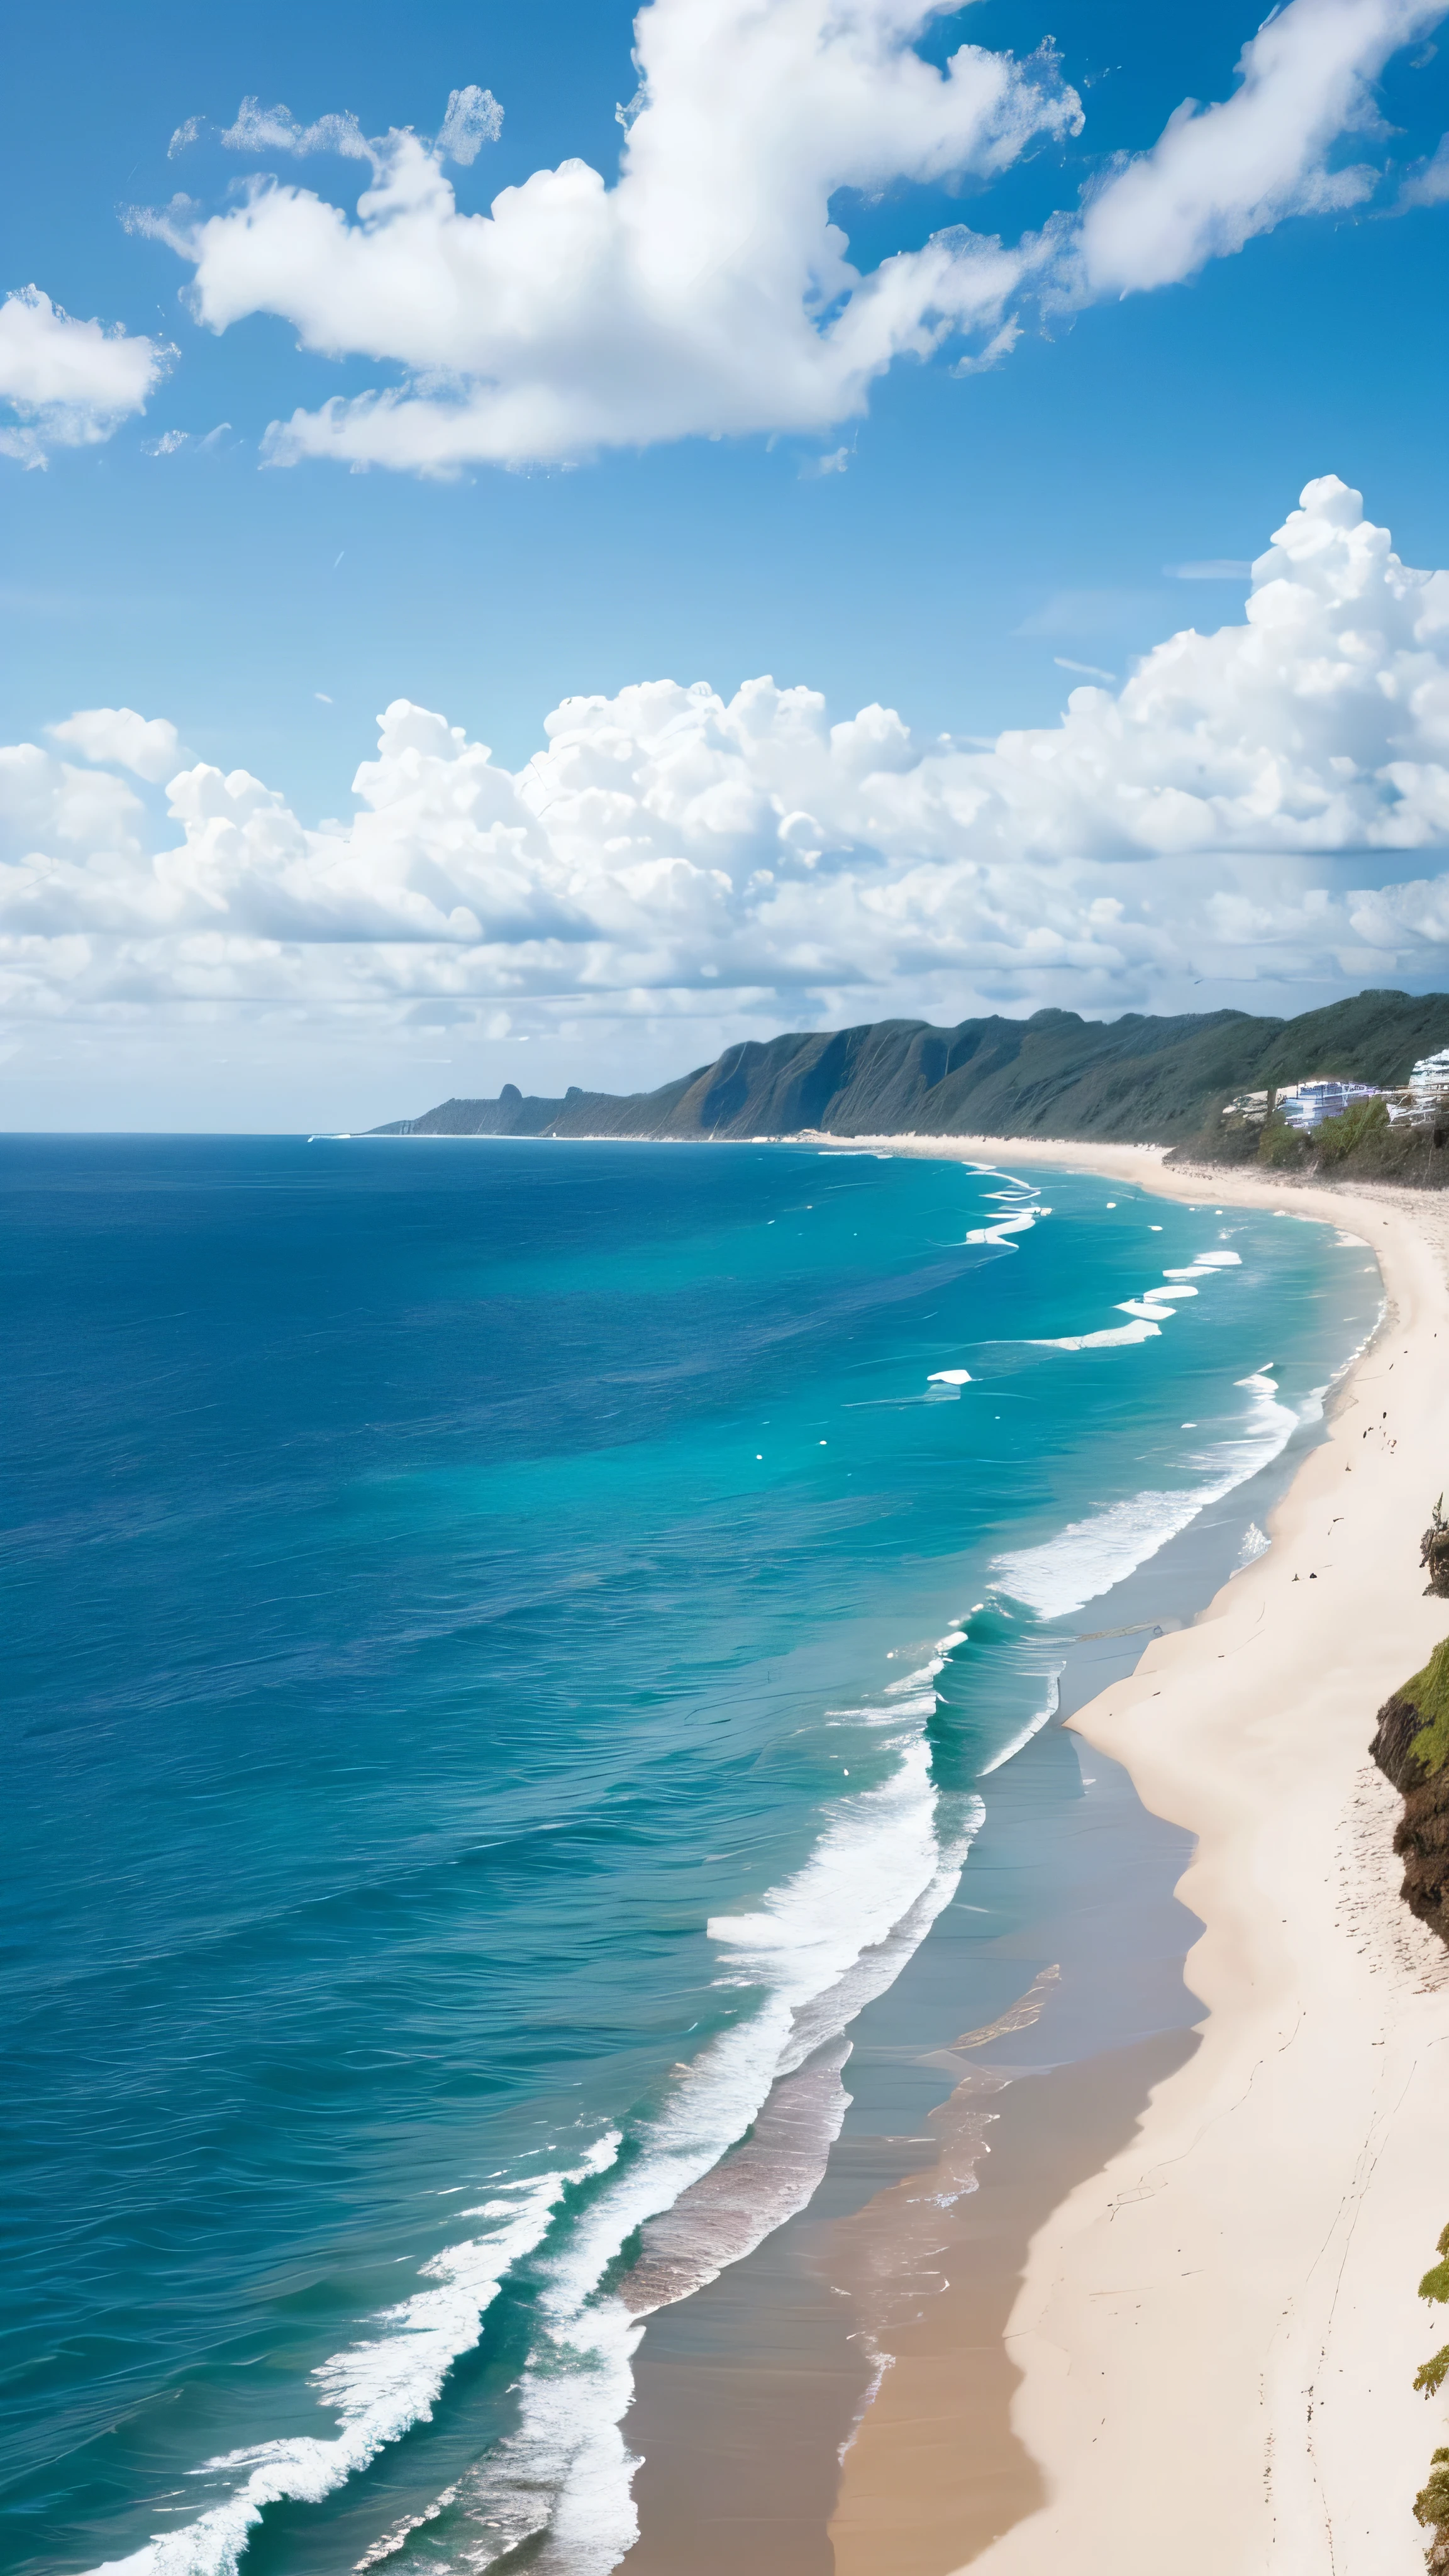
1428 185
70 383
1087 670
116 737
473 118
175 442
1218 176
1243 806
54 818
710 291
275 129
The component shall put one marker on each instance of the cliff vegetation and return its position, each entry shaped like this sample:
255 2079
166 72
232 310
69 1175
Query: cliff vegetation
1411 1746
1135 1080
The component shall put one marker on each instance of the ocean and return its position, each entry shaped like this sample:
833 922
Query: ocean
514 1650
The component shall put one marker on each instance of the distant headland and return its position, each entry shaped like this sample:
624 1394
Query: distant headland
1220 1083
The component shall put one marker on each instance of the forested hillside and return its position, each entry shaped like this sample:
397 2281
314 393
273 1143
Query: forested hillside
1136 1079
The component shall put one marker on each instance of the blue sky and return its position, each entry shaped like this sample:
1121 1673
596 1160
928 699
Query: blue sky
977 532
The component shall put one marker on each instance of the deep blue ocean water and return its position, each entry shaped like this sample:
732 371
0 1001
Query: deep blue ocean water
506 1646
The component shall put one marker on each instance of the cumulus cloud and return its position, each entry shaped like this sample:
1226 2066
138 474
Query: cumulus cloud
69 383
53 816
1220 175
1271 799
710 291
117 737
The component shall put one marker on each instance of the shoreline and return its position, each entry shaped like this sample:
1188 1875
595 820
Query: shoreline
1216 2332
749 2393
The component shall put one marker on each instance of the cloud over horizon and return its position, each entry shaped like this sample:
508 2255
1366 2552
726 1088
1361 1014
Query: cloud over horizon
1267 801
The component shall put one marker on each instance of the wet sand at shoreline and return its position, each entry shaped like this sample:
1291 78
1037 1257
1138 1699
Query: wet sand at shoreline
1216 2330
918 2246
748 2391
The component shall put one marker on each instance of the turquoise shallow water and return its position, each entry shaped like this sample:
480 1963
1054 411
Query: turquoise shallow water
508 1646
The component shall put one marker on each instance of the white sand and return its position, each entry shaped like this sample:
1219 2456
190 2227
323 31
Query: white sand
1219 2331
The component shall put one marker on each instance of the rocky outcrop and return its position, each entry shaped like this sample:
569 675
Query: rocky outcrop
1434 1552
1410 1747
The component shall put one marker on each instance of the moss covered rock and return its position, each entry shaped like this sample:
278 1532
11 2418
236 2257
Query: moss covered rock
1411 1746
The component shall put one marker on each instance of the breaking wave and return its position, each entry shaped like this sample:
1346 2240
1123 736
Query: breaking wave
819 1948
1091 1555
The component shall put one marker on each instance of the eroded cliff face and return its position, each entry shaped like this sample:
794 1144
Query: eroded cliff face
1405 1747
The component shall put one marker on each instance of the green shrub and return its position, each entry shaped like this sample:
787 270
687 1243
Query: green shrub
1431 2504
1224 1143
1363 1123
1428 1694
1282 1146
1431 2375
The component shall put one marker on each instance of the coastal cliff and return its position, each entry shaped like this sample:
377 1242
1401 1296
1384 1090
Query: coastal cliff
1133 1080
1411 1746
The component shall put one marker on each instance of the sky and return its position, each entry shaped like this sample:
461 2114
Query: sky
544 541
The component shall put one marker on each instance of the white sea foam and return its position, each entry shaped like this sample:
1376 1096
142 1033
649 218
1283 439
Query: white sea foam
565 2470
392 2541
872 1861
1256 1543
911 1681
1091 1555
1032 1727
1017 1216
1143 1331
1155 1307
377 2389
820 1947
922 1706
1003 1228
816 1951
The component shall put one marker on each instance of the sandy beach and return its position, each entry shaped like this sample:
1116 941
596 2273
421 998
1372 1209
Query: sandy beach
1216 2331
